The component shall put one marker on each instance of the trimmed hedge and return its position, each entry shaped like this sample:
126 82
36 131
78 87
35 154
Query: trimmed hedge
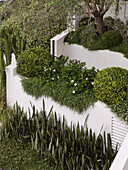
30 63
111 85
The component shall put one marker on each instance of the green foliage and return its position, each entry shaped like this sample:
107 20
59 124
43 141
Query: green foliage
111 38
68 82
121 27
121 110
69 37
19 155
85 35
30 63
74 73
122 48
13 42
109 22
85 21
66 147
118 25
77 77
108 40
73 37
97 45
60 93
30 17
89 35
53 72
111 85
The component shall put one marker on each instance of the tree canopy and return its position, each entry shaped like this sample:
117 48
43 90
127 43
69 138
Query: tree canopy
40 20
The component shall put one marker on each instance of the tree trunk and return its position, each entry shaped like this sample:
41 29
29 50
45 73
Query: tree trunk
100 25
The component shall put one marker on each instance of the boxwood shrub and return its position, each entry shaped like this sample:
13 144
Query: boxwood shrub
111 38
111 85
30 62
108 40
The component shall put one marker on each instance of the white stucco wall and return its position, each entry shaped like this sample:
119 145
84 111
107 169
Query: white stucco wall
123 13
100 59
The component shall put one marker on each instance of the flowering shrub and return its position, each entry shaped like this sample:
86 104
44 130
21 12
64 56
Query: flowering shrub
77 77
74 73
53 72
67 82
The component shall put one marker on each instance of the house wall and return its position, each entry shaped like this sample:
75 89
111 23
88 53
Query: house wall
123 12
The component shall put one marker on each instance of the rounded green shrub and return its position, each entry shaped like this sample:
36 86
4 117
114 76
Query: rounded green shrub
31 62
111 85
111 38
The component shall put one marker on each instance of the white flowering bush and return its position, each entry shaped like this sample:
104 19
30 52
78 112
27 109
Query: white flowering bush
52 73
77 77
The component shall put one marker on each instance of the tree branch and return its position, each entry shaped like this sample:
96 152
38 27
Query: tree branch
94 5
106 9
101 5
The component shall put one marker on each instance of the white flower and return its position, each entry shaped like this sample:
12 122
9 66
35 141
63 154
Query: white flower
86 78
72 81
52 78
75 84
45 69
58 77
54 70
73 91
92 83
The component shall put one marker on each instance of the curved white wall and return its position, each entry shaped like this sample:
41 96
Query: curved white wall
100 59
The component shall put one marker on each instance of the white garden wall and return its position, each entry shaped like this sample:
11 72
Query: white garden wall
99 116
121 160
100 59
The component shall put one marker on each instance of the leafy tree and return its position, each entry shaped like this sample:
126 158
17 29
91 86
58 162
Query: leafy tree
37 21
95 8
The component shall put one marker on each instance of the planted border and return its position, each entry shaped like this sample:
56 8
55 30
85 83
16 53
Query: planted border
67 147
60 93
